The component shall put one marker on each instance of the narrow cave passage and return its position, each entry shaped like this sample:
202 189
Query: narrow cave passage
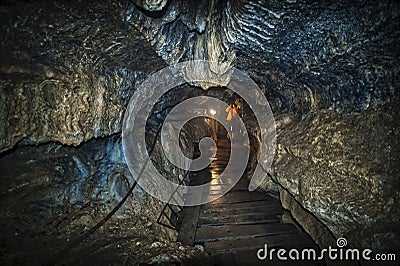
234 227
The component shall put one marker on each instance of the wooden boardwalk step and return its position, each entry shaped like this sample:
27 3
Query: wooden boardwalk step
225 181
296 240
233 212
235 226
256 218
241 196
230 232
240 185
248 205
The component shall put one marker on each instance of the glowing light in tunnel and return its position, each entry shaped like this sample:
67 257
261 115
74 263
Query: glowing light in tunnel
141 104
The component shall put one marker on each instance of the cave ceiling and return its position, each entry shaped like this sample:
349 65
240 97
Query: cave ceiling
304 55
341 55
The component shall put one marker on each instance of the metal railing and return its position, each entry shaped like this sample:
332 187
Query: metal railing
173 217
72 244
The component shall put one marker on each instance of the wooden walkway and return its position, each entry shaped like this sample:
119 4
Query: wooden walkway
235 226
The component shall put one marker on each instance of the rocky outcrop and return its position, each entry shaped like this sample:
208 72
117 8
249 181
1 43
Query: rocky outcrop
73 80
93 176
343 169
317 230
187 30
307 54
73 76
52 194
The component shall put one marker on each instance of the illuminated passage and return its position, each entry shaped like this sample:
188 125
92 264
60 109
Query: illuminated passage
236 225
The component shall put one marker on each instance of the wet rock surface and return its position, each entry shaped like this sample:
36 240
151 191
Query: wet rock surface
67 70
123 243
343 169
307 54
52 194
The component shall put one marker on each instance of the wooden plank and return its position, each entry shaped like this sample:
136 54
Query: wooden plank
241 196
218 189
219 162
240 205
234 212
239 219
243 181
241 185
228 232
187 232
226 181
231 173
299 240
226 212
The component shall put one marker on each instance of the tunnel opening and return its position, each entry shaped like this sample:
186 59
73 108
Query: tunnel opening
198 128
191 222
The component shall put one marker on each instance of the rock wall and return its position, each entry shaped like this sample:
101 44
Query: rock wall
342 168
67 71
73 81
51 194
317 230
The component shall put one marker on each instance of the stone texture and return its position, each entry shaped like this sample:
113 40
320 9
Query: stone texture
318 231
73 81
57 177
189 30
307 54
343 169
52 193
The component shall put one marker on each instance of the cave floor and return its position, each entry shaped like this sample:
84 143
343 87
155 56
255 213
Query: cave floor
235 226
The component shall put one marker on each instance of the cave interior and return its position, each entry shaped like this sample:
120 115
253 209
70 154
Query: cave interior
70 72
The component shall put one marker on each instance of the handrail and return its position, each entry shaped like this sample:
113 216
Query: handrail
168 205
77 241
